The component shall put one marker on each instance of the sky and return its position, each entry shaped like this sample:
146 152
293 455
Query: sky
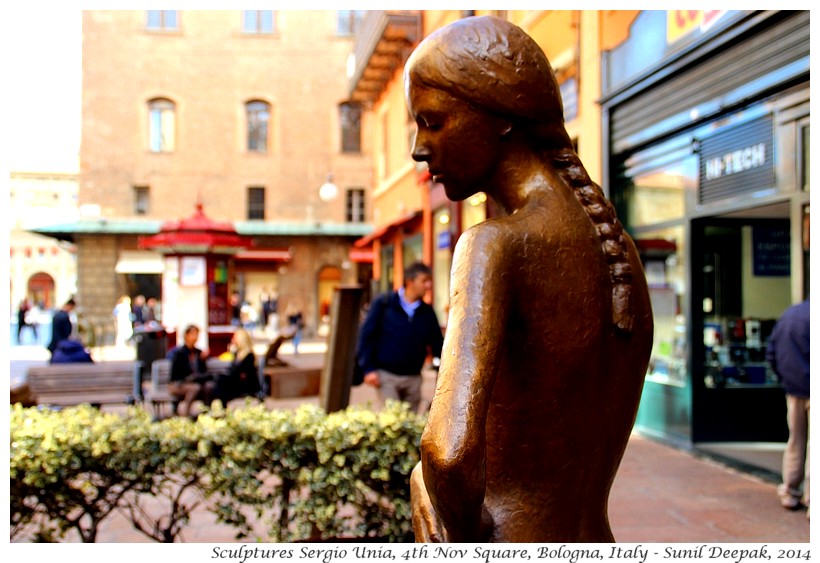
43 73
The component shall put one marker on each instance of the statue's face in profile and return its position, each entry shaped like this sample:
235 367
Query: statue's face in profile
459 143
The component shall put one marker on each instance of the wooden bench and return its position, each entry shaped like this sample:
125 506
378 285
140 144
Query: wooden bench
158 393
98 383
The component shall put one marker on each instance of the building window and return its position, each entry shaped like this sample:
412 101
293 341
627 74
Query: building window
350 116
348 21
141 200
258 116
258 21
256 202
161 125
162 19
355 205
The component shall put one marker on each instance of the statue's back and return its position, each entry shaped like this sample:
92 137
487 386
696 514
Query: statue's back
568 383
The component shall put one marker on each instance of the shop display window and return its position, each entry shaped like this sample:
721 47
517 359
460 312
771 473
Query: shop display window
662 252
442 262
473 211
746 286
659 184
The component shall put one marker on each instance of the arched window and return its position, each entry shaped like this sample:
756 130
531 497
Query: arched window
258 116
161 125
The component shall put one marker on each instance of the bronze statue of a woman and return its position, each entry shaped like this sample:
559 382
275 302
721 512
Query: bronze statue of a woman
550 324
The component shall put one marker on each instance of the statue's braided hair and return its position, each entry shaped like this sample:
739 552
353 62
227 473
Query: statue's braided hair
610 232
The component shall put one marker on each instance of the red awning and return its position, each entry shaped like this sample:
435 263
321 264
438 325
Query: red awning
357 255
656 247
197 234
381 231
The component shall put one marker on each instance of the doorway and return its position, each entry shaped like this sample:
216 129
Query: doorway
40 291
741 283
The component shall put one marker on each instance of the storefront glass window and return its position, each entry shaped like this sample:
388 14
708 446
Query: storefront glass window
662 252
659 183
386 277
442 262
745 286
412 250
660 195
473 211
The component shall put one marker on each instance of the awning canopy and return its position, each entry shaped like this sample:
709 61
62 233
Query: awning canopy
362 256
139 262
366 241
197 234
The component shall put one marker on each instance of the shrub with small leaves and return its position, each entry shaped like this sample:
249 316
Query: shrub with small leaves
311 475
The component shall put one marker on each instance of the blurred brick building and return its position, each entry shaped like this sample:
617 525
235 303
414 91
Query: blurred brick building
245 112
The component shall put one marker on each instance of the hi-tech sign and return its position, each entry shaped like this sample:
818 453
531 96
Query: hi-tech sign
738 160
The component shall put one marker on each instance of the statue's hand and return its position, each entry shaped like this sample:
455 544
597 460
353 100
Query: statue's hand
426 523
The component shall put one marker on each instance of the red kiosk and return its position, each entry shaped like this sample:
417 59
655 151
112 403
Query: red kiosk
197 252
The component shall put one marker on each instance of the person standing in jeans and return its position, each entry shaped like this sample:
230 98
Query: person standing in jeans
398 333
788 354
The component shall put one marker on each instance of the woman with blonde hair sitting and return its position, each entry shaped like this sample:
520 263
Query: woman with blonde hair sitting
241 379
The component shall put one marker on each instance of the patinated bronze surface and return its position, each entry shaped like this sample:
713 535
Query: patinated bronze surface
550 325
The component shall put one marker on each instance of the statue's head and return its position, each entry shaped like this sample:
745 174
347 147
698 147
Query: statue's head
468 85
491 64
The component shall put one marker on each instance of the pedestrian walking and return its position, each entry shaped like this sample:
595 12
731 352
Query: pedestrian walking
26 318
122 316
788 353
295 327
397 335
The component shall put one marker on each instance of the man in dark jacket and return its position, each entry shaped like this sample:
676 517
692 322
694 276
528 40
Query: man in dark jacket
788 354
398 333
189 380
61 326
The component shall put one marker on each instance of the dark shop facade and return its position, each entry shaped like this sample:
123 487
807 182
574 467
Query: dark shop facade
706 119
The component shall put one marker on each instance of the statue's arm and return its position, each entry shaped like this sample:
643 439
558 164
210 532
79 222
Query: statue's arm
453 444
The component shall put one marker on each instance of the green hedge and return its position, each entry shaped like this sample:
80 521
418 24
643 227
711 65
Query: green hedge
304 474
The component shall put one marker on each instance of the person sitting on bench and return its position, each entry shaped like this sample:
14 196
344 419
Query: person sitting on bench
242 378
189 380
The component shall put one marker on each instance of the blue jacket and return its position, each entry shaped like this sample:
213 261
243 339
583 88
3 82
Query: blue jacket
70 352
788 349
390 340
